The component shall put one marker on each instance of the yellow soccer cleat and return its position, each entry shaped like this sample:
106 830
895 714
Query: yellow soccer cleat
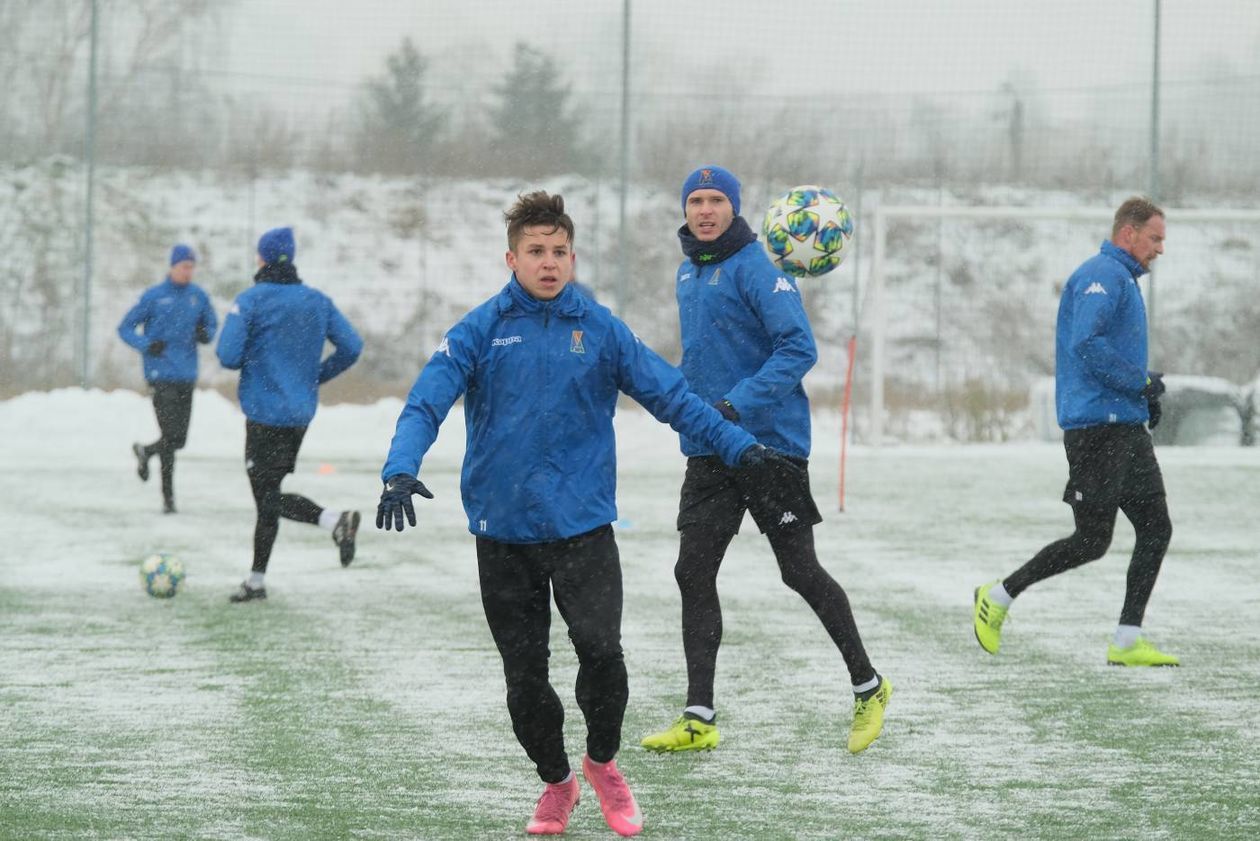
1141 653
868 717
987 618
686 733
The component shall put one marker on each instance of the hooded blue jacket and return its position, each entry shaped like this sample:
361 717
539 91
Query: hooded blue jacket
274 333
746 339
1100 343
170 312
540 382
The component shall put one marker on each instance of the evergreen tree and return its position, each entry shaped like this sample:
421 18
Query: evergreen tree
534 129
400 126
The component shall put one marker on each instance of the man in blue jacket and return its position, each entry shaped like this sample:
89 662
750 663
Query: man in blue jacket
747 345
166 325
539 366
1103 396
274 334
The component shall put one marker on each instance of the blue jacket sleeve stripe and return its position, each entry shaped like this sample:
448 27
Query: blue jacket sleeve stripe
441 382
661 389
231 346
135 316
783 314
347 342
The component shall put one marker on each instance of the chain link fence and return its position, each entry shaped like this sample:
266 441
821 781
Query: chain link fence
392 139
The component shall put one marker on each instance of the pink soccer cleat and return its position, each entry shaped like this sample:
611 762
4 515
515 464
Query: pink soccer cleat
551 815
615 799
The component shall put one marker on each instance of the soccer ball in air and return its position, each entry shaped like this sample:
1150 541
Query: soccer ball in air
161 575
808 231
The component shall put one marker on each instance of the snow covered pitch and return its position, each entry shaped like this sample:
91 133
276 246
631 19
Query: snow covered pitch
368 702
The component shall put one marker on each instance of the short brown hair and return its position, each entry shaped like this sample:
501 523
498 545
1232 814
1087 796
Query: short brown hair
1135 211
536 209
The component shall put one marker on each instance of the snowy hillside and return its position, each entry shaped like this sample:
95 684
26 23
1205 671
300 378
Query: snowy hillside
970 303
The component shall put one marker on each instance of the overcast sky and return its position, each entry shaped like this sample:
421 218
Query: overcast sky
891 45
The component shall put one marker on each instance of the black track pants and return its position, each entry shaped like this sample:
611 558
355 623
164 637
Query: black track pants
517 584
700 556
270 455
1094 527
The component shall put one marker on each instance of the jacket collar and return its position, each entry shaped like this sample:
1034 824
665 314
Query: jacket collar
282 273
1123 257
514 300
710 253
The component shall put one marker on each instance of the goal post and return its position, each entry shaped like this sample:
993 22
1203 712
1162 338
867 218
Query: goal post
875 314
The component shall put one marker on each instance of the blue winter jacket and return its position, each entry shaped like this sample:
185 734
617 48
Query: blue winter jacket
172 313
540 382
746 339
274 333
1100 343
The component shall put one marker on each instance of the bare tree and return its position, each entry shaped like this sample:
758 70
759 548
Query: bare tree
48 42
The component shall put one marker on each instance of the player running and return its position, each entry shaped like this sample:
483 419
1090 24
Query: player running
1103 395
275 334
166 325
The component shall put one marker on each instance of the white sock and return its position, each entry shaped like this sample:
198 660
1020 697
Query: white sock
1127 635
999 596
328 519
565 781
707 713
256 580
859 688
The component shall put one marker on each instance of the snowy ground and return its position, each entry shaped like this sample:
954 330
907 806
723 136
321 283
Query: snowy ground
367 702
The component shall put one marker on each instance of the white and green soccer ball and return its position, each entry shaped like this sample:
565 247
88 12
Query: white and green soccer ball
161 575
808 231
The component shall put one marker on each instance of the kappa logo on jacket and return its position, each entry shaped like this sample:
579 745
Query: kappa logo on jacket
1095 288
788 517
782 284
443 347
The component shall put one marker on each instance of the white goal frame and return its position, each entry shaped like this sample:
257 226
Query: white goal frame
876 316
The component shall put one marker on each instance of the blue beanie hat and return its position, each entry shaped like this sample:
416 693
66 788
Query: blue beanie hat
182 252
277 246
712 178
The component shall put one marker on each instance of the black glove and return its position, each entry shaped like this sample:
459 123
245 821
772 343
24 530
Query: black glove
396 501
203 335
155 348
1154 388
753 456
1155 411
727 410
773 484
764 458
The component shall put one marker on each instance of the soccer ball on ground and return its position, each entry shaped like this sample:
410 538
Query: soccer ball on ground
808 231
161 575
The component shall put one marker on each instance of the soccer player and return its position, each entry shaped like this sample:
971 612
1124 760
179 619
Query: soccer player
539 366
1103 396
746 345
274 334
166 325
